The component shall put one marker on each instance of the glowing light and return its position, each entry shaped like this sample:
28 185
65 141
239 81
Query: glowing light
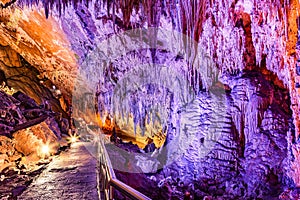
73 138
45 149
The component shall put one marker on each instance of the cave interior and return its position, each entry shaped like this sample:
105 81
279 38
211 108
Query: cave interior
149 99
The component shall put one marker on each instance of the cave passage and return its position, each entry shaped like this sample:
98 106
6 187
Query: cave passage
129 99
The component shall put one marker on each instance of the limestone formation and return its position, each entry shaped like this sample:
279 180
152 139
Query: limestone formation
246 147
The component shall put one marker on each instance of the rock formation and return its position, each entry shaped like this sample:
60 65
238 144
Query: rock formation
252 46
25 130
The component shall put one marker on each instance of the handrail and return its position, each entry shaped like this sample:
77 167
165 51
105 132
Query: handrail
110 181
127 190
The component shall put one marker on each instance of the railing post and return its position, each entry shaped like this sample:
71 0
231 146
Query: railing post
111 192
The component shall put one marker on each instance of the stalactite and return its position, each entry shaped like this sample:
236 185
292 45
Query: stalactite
127 8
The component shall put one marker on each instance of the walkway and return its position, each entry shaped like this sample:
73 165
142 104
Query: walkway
71 175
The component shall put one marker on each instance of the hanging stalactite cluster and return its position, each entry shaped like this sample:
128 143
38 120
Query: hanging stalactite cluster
190 16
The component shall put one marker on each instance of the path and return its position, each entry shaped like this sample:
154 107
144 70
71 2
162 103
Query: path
72 175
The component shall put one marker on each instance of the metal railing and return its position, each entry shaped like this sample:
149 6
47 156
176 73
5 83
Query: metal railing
109 181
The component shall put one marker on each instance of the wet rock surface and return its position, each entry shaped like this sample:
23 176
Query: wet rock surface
72 175
13 183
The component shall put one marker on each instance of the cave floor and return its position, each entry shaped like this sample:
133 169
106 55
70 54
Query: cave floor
71 175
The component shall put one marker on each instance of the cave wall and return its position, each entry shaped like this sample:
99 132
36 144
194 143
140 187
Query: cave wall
41 43
21 76
247 42
253 46
249 158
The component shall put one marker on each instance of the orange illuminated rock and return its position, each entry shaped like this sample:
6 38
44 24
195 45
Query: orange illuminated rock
6 146
9 57
31 140
42 43
4 1
26 142
43 132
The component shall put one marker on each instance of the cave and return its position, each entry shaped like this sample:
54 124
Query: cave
149 99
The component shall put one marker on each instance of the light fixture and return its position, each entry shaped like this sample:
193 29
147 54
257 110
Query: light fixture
73 138
45 150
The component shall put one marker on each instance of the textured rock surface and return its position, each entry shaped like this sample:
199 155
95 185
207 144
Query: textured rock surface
257 116
41 43
30 140
242 163
253 45
18 111
13 183
22 76
27 143
22 137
